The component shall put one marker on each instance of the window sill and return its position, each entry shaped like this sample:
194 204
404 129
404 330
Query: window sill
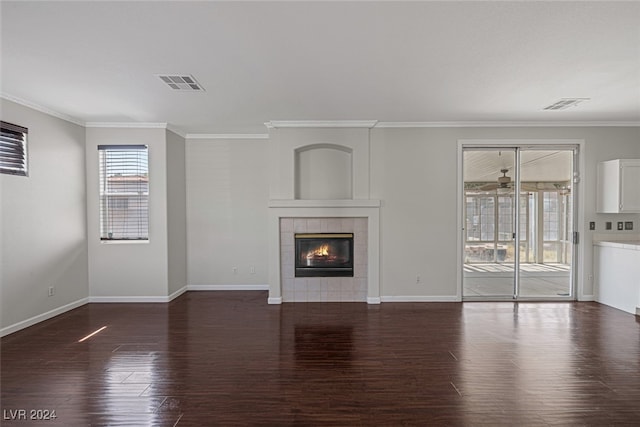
124 242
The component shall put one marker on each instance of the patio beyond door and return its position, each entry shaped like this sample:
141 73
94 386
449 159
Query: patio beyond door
518 198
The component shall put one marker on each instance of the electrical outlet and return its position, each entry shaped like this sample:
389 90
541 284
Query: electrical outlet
607 225
620 225
235 270
417 278
628 225
52 291
252 269
592 225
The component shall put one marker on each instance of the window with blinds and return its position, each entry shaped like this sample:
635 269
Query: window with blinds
124 192
13 149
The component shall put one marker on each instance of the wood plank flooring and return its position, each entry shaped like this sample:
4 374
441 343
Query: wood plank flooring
228 358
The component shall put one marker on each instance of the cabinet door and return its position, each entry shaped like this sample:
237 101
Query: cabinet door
630 186
608 189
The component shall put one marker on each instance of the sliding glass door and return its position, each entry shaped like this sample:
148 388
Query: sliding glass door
517 197
546 176
489 213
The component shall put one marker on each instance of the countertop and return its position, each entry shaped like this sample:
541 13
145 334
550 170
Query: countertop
622 244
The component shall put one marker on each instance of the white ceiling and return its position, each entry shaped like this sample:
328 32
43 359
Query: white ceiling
259 61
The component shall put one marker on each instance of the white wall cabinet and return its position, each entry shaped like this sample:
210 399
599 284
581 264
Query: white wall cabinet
618 188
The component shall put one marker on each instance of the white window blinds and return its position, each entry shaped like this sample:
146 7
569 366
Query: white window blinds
13 149
124 192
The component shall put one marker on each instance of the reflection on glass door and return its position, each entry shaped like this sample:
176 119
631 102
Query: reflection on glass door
542 213
546 179
489 255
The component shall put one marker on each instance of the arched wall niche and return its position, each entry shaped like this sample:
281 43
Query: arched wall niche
323 172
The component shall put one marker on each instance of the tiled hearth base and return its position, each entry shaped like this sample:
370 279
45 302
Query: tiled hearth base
324 289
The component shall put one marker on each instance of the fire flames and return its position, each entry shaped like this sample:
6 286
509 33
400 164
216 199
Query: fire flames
320 251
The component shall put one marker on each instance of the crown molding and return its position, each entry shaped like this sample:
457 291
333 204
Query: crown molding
176 131
227 136
507 124
130 125
42 109
276 124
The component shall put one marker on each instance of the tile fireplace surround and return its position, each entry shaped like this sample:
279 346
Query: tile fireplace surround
323 289
288 217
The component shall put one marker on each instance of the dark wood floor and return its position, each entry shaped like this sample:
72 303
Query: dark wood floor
227 358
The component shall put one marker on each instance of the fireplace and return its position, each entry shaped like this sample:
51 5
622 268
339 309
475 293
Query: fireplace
324 255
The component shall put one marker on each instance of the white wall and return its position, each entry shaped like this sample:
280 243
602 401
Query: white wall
414 173
43 230
176 212
129 270
227 197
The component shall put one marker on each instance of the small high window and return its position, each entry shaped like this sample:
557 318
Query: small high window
124 192
13 149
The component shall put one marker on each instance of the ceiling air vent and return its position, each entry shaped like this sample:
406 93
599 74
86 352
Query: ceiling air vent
565 103
181 82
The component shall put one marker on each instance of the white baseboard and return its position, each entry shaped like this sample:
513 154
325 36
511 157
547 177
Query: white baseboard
419 298
42 317
373 300
228 287
587 298
177 293
140 299
274 300
129 299
125 299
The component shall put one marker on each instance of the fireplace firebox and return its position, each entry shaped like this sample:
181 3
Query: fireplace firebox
324 255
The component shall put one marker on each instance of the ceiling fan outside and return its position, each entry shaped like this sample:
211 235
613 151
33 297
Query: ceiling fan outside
503 181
